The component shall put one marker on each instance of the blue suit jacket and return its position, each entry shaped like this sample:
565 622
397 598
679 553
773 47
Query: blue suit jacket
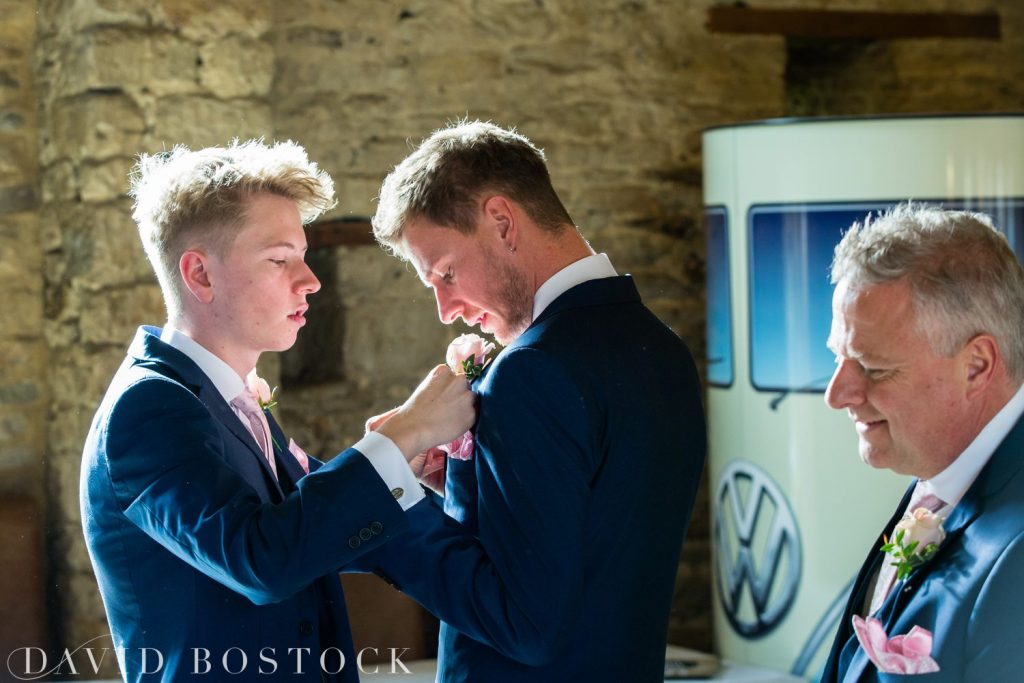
969 595
197 549
589 448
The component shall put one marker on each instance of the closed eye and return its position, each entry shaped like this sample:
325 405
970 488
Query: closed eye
449 275
877 373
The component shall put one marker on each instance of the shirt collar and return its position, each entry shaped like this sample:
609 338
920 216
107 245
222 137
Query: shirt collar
227 381
592 267
952 483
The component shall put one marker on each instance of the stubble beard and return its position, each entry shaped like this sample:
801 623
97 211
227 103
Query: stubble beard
517 301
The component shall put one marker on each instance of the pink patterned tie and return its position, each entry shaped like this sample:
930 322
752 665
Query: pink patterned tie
887 574
247 407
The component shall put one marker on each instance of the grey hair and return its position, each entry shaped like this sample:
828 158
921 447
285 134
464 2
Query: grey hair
964 278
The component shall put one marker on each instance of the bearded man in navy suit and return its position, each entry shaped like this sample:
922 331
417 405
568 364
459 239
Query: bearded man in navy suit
928 332
215 540
590 439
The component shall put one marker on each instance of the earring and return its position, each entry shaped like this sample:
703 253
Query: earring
511 248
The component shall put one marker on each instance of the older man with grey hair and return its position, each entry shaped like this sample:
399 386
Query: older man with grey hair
928 333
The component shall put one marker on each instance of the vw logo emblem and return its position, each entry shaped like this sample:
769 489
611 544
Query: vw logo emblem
757 568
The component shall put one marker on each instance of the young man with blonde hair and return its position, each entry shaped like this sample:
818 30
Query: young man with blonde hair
216 541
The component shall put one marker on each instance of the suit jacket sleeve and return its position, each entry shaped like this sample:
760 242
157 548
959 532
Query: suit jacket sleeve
517 586
165 457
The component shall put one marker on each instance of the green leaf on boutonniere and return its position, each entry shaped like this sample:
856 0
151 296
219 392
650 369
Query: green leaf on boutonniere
271 404
472 369
906 558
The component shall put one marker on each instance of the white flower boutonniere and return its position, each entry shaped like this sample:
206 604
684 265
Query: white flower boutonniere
916 538
261 391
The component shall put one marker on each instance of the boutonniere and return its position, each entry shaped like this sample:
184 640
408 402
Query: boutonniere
916 538
264 395
261 391
467 355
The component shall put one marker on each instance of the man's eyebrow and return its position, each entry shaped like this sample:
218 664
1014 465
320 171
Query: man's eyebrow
286 244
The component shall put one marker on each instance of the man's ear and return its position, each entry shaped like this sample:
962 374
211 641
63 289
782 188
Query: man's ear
500 215
194 269
980 359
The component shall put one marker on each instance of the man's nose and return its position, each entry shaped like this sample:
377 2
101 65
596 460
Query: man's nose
448 307
846 388
307 282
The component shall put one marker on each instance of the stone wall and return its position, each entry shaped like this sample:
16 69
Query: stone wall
24 393
116 78
616 91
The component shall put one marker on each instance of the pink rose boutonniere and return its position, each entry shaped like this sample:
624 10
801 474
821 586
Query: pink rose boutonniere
261 391
907 654
467 355
916 538
266 398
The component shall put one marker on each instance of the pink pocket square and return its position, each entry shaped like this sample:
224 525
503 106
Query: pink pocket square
461 448
907 654
299 454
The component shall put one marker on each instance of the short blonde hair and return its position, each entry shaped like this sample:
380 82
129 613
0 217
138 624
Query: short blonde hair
186 198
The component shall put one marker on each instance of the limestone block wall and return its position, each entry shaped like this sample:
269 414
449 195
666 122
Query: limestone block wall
116 78
24 392
616 91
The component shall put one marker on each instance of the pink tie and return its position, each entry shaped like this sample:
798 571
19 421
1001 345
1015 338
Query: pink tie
887 574
248 408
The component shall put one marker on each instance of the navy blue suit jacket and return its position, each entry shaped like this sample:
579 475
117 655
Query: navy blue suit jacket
969 595
589 449
198 550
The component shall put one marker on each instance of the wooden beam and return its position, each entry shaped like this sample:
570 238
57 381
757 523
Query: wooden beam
340 232
810 23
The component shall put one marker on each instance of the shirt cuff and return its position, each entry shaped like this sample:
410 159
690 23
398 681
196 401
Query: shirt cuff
390 464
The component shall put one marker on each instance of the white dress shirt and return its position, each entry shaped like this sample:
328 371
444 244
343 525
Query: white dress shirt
381 451
587 268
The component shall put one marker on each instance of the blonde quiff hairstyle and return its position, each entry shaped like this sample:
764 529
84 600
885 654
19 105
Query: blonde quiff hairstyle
964 278
186 199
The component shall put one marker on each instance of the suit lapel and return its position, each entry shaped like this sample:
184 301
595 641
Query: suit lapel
1001 467
847 656
224 413
288 468
148 349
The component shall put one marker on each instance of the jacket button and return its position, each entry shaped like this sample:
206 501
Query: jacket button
354 542
376 527
305 628
365 534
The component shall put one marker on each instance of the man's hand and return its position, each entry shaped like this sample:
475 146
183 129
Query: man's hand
441 409
430 467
